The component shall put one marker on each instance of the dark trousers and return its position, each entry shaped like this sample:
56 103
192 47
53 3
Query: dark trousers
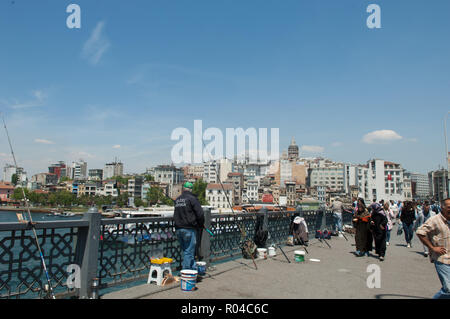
409 232
380 242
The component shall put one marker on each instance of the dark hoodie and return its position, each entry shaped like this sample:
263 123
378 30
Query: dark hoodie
188 212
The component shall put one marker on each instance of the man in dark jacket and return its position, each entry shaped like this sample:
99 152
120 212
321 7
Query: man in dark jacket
189 219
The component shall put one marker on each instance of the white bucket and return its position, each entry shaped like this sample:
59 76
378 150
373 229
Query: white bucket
272 252
188 279
299 256
262 253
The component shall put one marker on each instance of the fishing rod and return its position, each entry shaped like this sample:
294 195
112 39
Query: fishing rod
281 211
229 203
254 208
30 222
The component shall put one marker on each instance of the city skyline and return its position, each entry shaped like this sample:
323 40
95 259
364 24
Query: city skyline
132 74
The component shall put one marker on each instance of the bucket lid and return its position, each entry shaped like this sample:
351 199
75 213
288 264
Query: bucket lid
299 252
262 249
189 272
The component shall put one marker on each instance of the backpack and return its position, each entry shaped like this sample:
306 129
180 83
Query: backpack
248 249
326 234
261 235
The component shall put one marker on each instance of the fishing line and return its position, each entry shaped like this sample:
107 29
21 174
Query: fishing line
30 222
243 233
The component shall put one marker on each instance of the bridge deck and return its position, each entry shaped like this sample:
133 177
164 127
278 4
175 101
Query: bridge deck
405 273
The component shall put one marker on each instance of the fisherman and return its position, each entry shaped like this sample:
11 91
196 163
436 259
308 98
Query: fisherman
189 220
337 209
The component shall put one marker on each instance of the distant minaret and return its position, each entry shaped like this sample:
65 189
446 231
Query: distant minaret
293 153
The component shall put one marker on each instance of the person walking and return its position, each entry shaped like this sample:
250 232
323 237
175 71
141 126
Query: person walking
363 236
422 217
407 217
378 225
435 234
391 216
189 219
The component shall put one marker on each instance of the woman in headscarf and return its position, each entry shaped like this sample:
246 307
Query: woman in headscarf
378 225
391 216
363 236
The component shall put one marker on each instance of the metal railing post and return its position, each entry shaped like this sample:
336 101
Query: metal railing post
88 250
205 245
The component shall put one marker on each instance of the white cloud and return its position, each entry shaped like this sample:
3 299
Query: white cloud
116 146
96 45
381 137
39 98
336 144
81 155
42 141
312 149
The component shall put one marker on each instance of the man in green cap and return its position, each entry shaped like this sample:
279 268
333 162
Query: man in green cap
189 220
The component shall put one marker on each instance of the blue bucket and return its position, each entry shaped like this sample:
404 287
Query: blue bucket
201 267
188 279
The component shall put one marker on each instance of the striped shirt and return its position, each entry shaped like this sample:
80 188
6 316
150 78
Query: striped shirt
437 230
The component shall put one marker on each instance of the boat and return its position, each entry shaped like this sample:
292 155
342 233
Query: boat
65 214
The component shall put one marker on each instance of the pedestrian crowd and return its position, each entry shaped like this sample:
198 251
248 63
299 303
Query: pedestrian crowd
373 225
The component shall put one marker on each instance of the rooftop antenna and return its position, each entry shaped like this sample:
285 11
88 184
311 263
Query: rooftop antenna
30 222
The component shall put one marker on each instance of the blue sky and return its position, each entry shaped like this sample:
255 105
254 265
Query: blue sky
136 70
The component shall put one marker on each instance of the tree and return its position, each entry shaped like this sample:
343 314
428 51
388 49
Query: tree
138 202
18 194
199 190
149 178
122 199
154 195
14 179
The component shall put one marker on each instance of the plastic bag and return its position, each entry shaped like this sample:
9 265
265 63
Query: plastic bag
399 229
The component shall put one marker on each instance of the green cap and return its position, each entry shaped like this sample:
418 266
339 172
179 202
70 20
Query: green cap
188 185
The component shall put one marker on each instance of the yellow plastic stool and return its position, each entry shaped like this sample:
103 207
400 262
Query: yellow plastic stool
159 266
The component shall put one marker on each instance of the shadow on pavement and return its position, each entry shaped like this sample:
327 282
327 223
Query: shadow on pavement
394 296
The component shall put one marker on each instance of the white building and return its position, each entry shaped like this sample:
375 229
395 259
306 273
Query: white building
407 187
112 169
250 193
216 197
109 189
8 172
78 170
380 179
225 167
210 170
195 170
331 177
420 185
168 174
135 186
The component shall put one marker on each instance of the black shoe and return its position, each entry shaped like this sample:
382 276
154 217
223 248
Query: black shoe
381 258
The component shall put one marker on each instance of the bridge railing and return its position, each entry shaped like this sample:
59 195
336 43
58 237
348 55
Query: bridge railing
113 252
